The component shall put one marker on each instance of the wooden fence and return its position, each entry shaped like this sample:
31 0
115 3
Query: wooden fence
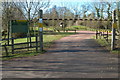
34 44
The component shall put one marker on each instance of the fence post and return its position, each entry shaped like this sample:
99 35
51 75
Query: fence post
107 36
36 43
28 42
5 46
96 34
41 30
113 30
8 33
12 45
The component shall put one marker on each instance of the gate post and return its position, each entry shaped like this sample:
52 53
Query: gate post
114 25
96 34
12 45
41 29
36 37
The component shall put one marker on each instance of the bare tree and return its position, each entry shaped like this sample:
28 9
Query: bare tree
76 9
31 8
28 8
9 12
6 14
68 12
97 8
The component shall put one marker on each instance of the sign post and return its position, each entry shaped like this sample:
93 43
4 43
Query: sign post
114 26
41 30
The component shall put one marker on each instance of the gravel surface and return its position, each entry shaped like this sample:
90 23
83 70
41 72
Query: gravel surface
74 56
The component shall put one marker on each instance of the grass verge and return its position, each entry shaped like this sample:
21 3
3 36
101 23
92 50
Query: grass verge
107 45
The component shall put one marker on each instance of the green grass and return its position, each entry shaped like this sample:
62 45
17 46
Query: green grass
107 45
86 28
116 51
83 28
48 41
19 55
80 27
103 42
49 38
71 28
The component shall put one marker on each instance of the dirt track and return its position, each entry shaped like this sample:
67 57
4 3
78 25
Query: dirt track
75 56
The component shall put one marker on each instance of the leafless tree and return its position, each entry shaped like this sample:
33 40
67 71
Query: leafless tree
9 12
28 8
31 8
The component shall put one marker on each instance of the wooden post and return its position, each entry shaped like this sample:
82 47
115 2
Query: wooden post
119 20
29 30
36 43
8 32
6 50
75 30
100 35
27 42
113 30
107 36
8 26
103 34
41 30
12 45
96 34
30 40
64 25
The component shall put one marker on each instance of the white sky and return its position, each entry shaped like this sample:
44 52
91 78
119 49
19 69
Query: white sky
65 0
84 0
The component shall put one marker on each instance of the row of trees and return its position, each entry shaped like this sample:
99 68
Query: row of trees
29 10
99 10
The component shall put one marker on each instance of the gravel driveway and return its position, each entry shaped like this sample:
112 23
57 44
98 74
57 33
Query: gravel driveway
75 56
